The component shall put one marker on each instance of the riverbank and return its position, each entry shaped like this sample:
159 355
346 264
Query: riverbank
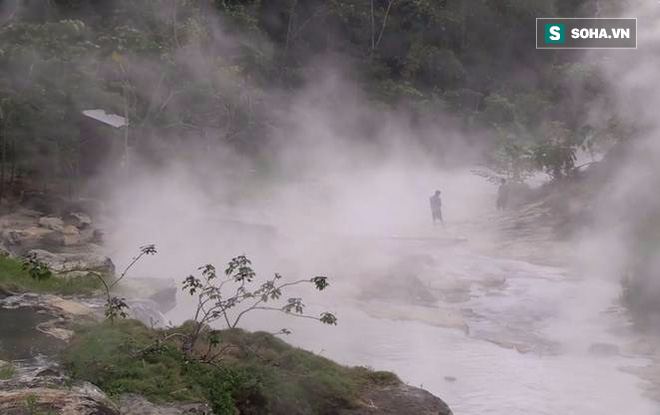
92 366
130 367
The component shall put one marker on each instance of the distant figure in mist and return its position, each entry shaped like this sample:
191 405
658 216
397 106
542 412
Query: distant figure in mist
503 195
436 208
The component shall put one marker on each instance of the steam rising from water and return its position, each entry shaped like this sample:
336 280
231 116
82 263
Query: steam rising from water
325 194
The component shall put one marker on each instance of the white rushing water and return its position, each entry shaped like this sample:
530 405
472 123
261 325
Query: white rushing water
550 315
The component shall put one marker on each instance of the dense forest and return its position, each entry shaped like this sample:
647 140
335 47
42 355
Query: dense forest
213 74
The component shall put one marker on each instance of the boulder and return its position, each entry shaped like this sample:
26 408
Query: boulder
78 219
27 229
69 235
70 230
165 299
398 399
32 236
20 218
69 308
130 404
146 311
641 347
160 291
51 222
46 396
400 282
403 289
66 262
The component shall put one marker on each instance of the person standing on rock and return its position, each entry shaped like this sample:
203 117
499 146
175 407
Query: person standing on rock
436 208
503 195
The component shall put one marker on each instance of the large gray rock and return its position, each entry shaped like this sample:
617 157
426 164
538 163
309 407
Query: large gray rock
65 262
47 400
49 392
29 237
52 223
78 219
26 229
137 405
399 282
398 399
161 291
69 235
146 311
641 347
402 288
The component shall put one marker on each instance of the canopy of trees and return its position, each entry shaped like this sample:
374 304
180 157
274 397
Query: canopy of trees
196 71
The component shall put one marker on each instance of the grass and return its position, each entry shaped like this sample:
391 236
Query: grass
259 373
7 371
13 278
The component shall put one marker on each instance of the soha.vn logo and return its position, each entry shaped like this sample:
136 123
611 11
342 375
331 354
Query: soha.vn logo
554 33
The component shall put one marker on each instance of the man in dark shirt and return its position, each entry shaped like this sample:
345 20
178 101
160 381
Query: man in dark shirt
436 208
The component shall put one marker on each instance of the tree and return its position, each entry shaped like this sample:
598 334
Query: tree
512 160
230 298
556 155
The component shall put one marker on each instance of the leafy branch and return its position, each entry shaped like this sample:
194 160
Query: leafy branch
214 304
115 307
37 269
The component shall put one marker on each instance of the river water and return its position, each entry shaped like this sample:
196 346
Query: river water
530 326
527 349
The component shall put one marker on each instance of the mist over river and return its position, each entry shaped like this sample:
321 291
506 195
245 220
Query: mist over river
487 333
544 320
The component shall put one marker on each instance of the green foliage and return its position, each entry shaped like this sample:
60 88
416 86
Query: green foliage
321 283
115 307
511 160
557 154
531 109
464 101
228 300
499 110
106 355
472 58
390 90
432 66
37 269
263 374
14 278
7 371
32 406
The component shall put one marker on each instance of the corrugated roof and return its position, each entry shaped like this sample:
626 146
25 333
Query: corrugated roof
106 118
